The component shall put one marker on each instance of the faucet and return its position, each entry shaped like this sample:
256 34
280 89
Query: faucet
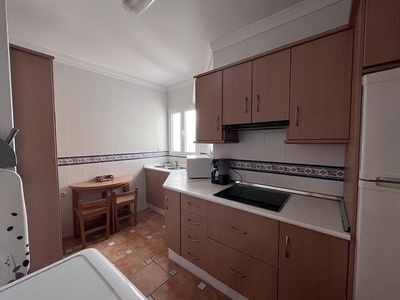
176 164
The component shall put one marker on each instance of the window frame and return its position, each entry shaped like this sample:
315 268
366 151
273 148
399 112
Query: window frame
182 111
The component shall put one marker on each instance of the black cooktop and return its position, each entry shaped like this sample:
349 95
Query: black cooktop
255 196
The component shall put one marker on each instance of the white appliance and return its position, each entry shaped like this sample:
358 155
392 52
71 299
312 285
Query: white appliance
377 268
198 166
82 276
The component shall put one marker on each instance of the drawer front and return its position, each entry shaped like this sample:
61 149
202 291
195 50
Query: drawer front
194 255
195 238
194 205
254 235
246 275
193 221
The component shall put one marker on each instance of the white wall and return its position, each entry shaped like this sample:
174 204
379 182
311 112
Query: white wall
98 115
269 146
6 119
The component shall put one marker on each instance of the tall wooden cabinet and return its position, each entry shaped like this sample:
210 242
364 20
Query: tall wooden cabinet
33 109
382 32
320 89
312 265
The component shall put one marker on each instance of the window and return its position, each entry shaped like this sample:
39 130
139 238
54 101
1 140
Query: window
182 131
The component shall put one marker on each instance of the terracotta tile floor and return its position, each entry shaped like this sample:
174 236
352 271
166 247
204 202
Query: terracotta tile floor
140 253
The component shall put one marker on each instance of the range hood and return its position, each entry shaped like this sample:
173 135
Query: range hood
258 126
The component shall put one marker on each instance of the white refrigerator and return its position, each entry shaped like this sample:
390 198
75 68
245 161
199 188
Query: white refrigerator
377 266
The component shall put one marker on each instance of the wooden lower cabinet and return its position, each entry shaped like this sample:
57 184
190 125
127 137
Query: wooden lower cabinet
173 220
243 273
154 190
254 235
312 265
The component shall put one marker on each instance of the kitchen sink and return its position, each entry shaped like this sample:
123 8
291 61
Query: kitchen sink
171 166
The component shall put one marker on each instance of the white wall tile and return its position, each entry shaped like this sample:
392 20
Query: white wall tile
222 151
74 92
297 153
328 155
297 183
329 187
275 148
91 113
274 179
250 147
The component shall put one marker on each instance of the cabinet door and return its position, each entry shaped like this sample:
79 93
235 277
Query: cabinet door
237 94
271 79
209 107
320 90
151 191
382 32
173 220
312 265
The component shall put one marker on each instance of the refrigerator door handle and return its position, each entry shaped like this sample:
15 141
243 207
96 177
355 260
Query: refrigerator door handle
391 182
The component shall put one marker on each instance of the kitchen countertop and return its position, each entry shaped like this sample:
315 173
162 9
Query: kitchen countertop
313 213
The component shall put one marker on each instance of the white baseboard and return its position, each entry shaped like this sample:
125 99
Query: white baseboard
156 209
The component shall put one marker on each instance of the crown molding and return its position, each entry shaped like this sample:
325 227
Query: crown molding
181 84
285 16
79 63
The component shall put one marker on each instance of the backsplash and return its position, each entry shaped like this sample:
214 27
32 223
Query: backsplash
302 170
263 157
93 159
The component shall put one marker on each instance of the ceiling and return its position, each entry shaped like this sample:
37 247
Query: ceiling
166 45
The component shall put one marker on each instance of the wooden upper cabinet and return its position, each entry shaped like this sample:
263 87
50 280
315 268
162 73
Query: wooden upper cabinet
382 32
271 85
320 89
312 265
237 94
209 110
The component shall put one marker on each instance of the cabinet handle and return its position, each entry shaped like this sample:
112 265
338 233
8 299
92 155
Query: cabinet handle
245 105
287 247
193 240
238 230
158 179
258 103
193 257
155 179
217 122
194 223
193 204
237 274
166 203
296 116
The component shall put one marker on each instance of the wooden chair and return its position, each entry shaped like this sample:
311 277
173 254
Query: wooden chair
121 207
87 211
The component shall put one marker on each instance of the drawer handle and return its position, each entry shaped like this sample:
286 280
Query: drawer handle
193 240
217 122
286 247
193 257
193 204
166 203
245 105
237 230
237 274
193 222
258 103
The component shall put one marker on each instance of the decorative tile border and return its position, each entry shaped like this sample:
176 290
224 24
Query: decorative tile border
303 170
94 159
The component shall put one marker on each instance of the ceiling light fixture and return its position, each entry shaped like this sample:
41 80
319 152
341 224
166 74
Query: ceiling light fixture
136 6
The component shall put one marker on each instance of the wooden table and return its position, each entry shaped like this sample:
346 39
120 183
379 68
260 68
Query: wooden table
105 187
